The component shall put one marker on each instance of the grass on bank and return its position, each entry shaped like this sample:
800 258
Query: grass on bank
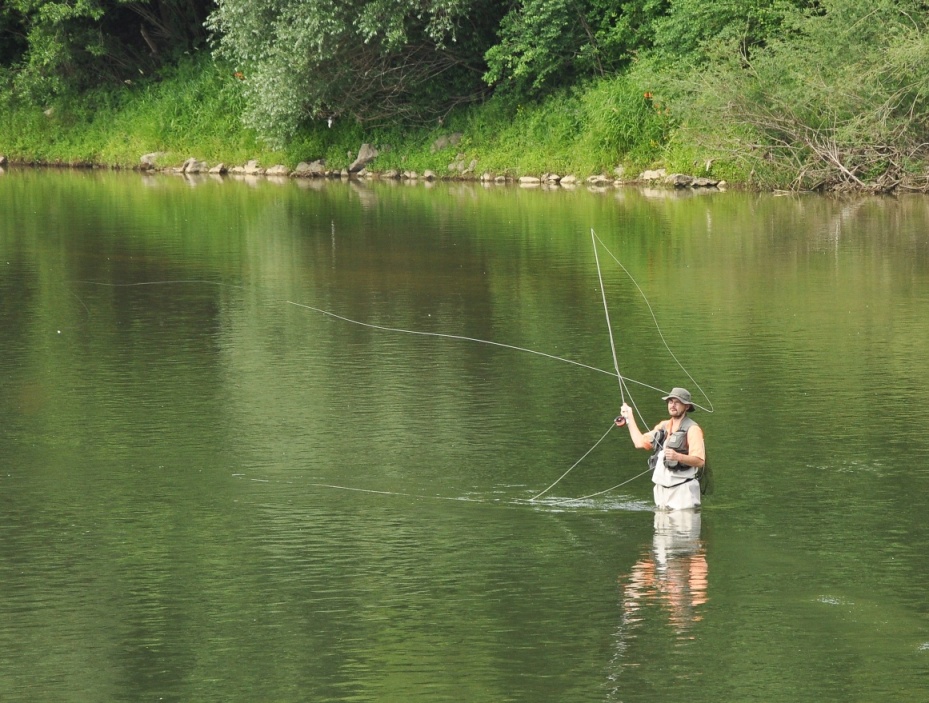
193 110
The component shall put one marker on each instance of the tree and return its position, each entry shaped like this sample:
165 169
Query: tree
547 43
12 36
690 25
368 60
839 101
60 45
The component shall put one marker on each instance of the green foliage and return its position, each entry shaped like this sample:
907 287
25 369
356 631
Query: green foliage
61 46
12 36
685 32
192 111
840 100
626 122
366 60
538 38
546 43
588 130
801 93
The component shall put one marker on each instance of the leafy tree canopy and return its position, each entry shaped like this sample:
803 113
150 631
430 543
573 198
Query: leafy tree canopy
13 43
691 25
545 43
61 45
368 60
840 98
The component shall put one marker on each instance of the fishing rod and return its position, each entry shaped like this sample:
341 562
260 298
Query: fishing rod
651 312
620 421
606 310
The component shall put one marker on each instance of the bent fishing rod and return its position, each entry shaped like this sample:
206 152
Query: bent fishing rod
620 421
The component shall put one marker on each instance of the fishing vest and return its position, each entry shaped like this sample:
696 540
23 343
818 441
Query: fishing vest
677 441
681 473
677 472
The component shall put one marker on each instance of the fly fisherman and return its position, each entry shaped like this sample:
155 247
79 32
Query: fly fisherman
677 449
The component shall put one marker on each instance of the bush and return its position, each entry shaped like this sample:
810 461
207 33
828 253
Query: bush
838 102
373 62
626 122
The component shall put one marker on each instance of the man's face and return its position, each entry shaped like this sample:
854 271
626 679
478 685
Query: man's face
676 408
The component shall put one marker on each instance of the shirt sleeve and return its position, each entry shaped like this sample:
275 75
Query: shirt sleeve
695 446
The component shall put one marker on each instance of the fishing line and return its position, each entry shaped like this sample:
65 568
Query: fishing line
539 495
382 328
516 348
83 304
620 378
459 337
392 493
657 326
448 498
600 493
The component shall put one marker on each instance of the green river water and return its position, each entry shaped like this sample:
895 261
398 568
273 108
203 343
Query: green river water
212 490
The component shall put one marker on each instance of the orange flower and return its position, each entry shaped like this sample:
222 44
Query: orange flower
648 96
239 75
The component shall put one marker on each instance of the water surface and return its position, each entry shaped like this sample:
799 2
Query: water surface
211 490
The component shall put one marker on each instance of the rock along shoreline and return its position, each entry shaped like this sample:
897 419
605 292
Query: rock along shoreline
460 169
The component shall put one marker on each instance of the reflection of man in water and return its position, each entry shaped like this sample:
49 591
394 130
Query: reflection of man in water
673 574
679 452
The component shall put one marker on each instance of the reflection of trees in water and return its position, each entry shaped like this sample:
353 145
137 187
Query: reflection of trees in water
672 575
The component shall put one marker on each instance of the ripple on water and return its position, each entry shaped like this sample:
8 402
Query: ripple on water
834 600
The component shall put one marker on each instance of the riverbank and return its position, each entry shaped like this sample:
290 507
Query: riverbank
188 120
609 131
746 95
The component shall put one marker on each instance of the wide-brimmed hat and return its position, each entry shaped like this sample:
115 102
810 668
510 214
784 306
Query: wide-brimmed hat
683 395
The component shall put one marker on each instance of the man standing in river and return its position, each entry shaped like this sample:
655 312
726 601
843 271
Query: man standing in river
678 452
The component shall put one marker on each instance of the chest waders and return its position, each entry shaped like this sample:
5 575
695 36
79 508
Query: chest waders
678 442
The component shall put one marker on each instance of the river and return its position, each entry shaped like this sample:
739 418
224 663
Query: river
255 445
